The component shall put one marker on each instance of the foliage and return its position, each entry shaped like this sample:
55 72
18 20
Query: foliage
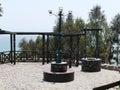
115 24
31 45
38 43
67 26
1 10
115 27
97 20
23 44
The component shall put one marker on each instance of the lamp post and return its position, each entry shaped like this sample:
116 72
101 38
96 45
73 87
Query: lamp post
59 65
58 71
59 52
58 60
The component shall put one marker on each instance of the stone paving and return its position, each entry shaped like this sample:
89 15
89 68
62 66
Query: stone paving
29 76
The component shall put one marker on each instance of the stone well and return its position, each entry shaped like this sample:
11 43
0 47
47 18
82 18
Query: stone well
91 64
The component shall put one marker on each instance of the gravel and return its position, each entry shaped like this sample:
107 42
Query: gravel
29 76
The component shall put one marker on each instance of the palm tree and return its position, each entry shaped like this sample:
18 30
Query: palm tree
1 11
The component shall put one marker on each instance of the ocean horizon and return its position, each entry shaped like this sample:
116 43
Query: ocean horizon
5 41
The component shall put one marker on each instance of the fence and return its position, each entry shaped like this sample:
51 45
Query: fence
38 56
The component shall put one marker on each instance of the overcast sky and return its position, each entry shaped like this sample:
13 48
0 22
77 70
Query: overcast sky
32 15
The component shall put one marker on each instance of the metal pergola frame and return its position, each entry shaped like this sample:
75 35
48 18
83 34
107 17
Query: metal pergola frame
13 41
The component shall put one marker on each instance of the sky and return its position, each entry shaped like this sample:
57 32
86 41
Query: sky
33 16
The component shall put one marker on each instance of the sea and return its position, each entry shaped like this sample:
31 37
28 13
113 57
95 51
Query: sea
5 41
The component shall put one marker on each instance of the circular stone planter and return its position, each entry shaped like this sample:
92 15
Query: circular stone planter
58 73
91 64
58 76
59 67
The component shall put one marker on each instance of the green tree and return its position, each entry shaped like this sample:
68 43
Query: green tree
23 44
31 45
34 45
56 27
69 27
97 20
115 26
1 10
55 30
38 43
115 29
79 26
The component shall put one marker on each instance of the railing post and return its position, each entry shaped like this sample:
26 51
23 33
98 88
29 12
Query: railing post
77 51
43 49
11 48
14 43
70 50
85 52
0 57
47 48
97 43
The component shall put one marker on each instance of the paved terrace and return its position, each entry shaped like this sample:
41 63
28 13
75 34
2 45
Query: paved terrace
29 76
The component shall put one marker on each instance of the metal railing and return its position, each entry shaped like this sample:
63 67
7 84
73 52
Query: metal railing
38 56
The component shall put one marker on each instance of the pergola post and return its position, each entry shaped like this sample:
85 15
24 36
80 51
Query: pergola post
70 43
97 43
43 49
47 48
85 52
14 48
11 48
77 51
96 55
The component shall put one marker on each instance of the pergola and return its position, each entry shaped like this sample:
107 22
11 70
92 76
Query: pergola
47 34
44 34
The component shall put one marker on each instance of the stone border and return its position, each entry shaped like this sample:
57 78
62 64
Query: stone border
58 76
110 67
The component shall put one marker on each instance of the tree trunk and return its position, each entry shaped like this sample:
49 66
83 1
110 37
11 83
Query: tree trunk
108 51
